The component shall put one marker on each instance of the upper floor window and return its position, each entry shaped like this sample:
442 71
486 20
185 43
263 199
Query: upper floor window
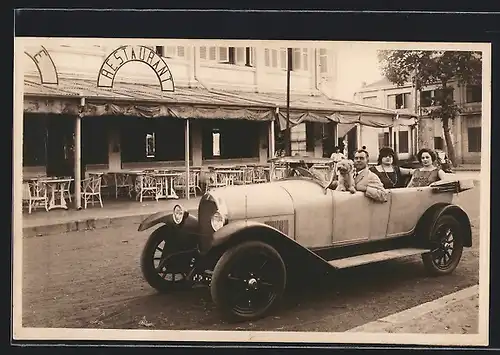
171 51
244 56
323 61
474 93
370 100
277 58
434 97
399 101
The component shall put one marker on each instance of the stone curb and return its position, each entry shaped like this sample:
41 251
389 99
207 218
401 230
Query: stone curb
411 314
87 224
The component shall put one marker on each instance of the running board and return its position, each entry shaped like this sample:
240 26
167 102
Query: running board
375 257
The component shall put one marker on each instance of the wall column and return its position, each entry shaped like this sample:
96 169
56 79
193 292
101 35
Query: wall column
78 161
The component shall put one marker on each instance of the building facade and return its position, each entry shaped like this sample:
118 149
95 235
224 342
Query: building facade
93 107
407 140
210 73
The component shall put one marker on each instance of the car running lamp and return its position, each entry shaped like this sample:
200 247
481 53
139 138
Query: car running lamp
178 214
217 221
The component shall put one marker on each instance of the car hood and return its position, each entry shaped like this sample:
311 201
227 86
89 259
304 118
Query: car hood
275 198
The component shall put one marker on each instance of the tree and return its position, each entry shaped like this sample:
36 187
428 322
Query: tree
423 68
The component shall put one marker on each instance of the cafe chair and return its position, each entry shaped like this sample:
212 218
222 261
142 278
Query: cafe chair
123 182
147 186
180 182
91 190
35 193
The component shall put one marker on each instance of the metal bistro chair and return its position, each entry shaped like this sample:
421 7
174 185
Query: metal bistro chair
123 182
259 175
180 182
146 186
214 180
35 194
91 188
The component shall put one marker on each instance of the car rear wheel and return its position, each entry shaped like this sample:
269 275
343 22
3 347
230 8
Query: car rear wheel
247 280
446 240
165 265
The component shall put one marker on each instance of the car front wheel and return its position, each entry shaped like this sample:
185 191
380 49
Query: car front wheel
247 280
446 242
165 264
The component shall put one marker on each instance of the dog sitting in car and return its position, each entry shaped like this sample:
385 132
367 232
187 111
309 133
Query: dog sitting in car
345 176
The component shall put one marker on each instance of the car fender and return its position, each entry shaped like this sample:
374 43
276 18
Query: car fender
243 230
428 220
189 223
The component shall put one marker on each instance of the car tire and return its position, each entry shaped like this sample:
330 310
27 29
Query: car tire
248 280
157 279
446 243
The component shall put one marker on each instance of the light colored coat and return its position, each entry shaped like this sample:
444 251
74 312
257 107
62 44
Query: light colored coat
374 187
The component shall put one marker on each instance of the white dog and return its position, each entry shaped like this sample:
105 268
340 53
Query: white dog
345 174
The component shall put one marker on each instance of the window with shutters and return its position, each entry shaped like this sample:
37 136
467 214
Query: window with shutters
244 56
277 58
171 51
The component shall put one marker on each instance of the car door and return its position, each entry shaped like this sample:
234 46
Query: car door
379 216
357 218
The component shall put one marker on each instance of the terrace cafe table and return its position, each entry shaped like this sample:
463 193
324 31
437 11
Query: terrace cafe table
57 187
166 189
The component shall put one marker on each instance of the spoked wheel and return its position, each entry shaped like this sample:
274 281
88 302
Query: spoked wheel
446 247
248 280
165 265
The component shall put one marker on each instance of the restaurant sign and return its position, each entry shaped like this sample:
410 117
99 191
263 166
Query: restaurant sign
44 63
125 54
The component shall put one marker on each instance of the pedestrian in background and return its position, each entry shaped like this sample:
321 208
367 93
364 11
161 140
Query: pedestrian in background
337 155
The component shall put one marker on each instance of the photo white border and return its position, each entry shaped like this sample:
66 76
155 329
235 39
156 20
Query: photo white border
21 333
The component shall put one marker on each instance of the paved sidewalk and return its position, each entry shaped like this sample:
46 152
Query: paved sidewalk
457 313
114 213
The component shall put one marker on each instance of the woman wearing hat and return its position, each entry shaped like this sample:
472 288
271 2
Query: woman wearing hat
387 169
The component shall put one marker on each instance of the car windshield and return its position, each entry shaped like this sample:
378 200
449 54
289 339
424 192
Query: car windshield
294 171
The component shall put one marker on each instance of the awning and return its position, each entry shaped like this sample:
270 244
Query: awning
344 128
140 100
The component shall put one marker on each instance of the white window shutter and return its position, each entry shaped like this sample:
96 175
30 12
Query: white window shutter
323 61
267 57
181 51
252 56
170 51
223 54
212 53
296 62
274 57
283 58
240 55
203 53
305 59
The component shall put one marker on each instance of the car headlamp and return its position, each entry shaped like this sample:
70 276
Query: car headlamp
217 221
178 214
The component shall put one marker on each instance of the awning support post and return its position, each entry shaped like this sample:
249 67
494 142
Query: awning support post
186 157
77 161
288 147
271 139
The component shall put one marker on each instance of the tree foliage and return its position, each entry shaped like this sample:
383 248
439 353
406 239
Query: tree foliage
422 68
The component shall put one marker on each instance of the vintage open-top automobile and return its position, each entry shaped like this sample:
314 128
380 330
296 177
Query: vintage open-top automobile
248 240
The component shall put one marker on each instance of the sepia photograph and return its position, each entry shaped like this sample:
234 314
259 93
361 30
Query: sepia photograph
244 190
